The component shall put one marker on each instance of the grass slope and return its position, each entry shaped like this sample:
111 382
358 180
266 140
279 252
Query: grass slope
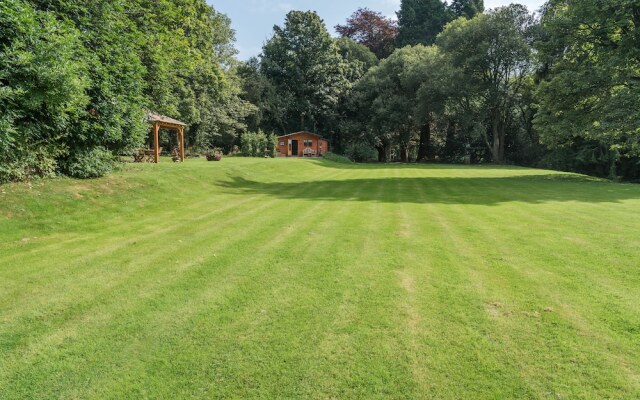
298 278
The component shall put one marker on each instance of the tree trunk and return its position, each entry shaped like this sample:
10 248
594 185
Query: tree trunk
497 138
384 151
404 153
425 138
381 153
614 157
449 144
503 127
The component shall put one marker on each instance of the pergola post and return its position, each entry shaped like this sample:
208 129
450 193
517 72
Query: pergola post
162 122
182 144
156 142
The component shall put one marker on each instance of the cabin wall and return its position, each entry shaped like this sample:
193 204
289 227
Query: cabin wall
319 145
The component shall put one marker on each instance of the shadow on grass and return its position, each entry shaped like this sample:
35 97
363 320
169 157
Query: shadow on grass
432 166
446 190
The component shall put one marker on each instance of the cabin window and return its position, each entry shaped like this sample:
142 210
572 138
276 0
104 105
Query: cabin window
308 143
281 143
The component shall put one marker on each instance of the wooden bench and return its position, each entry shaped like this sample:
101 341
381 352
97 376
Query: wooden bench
308 152
145 155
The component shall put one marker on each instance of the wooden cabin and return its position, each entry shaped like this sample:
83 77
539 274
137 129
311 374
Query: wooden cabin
302 144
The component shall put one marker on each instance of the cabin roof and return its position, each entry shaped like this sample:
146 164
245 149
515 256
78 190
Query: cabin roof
302 132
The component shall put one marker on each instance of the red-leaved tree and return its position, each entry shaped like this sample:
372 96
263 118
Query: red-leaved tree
371 29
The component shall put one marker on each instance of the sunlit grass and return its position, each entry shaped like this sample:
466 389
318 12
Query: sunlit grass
307 279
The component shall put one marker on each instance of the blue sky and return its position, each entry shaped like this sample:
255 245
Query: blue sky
253 20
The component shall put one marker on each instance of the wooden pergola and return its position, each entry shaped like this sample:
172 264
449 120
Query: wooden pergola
160 121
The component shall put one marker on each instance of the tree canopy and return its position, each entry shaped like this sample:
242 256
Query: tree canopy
494 55
446 82
76 76
466 8
304 64
371 29
420 21
591 75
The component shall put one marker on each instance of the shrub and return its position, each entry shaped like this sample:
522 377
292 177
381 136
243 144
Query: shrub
24 163
337 158
254 144
247 145
361 152
43 80
92 163
214 155
273 146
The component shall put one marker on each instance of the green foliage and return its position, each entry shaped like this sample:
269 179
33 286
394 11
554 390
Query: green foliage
337 158
257 144
273 146
357 56
388 98
304 65
466 8
257 90
76 76
361 152
591 75
493 56
42 84
89 163
111 43
420 21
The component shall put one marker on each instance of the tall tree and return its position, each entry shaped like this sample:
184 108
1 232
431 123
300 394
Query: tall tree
358 60
591 86
115 59
494 56
304 64
420 21
393 111
255 90
435 78
43 80
372 29
466 8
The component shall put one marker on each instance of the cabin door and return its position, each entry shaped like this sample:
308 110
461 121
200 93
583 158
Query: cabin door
294 148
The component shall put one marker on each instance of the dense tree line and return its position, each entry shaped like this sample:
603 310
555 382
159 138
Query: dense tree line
77 77
446 82
457 83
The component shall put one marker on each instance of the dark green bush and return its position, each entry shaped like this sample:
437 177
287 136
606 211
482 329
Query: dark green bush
273 146
361 152
79 75
337 158
92 163
42 89
257 144
23 164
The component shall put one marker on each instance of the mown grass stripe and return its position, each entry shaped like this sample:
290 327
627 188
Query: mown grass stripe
301 278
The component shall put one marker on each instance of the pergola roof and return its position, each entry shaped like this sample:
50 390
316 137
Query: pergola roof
157 118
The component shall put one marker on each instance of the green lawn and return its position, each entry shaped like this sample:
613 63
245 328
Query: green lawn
255 278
